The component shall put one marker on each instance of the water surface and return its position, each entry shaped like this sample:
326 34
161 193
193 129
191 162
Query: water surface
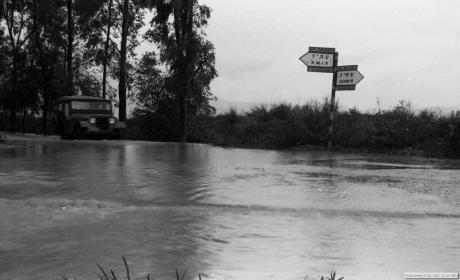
227 213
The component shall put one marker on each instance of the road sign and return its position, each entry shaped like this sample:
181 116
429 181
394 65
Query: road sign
347 68
347 77
320 69
321 50
345 87
319 59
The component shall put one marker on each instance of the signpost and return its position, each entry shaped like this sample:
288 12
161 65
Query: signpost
325 60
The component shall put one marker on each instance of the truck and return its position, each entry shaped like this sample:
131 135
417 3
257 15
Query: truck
87 117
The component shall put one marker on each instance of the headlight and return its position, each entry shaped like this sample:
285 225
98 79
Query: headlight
112 121
92 120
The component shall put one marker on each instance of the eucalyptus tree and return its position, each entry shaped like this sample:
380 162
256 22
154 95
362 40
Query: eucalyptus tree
15 19
123 50
133 12
106 48
178 28
99 23
3 58
110 31
49 49
70 42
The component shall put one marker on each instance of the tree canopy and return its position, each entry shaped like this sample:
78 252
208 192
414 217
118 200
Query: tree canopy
50 49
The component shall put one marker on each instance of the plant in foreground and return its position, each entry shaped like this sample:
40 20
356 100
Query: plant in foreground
332 277
111 275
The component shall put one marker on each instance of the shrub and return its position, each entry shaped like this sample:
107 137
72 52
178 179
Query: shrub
283 125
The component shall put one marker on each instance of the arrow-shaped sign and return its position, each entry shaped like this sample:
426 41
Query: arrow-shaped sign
348 75
318 59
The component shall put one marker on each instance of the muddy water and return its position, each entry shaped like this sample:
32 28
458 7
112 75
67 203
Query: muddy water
227 213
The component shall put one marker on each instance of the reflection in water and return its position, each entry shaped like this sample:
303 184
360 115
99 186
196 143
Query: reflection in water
228 213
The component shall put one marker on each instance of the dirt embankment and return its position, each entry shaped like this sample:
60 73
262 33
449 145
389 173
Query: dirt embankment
6 137
13 140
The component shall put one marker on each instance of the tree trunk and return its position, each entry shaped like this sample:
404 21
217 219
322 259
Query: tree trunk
38 48
45 114
182 117
13 118
13 105
24 114
122 82
69 47
183 27
14 71
106 51
189 61
34 121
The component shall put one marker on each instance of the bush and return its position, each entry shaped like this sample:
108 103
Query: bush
284 126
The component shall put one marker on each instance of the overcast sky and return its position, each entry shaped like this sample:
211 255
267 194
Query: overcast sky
406 49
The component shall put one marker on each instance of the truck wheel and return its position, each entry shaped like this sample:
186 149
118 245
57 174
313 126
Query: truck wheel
77 133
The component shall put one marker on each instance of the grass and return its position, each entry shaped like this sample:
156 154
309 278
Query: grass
109 274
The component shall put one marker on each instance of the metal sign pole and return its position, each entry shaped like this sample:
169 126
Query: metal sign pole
332 108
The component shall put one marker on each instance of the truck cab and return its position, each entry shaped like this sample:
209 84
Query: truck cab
87 116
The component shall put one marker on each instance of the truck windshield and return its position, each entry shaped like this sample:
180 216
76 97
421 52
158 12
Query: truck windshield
91 105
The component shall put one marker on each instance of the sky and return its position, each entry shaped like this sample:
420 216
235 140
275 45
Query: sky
406 49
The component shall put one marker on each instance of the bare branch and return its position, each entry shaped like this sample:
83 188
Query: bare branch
9 25
138 43
25 40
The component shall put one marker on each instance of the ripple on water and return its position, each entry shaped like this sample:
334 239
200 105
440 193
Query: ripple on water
232 213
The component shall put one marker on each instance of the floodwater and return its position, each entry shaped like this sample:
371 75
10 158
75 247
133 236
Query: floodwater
225 213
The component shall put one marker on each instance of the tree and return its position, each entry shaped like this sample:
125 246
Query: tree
99 25
37 46
106 49
3 59
111 34
186 53
70 37
133 14
55 47
155 111
48 52
15 18
123 50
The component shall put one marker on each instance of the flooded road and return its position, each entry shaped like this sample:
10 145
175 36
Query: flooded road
227 213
